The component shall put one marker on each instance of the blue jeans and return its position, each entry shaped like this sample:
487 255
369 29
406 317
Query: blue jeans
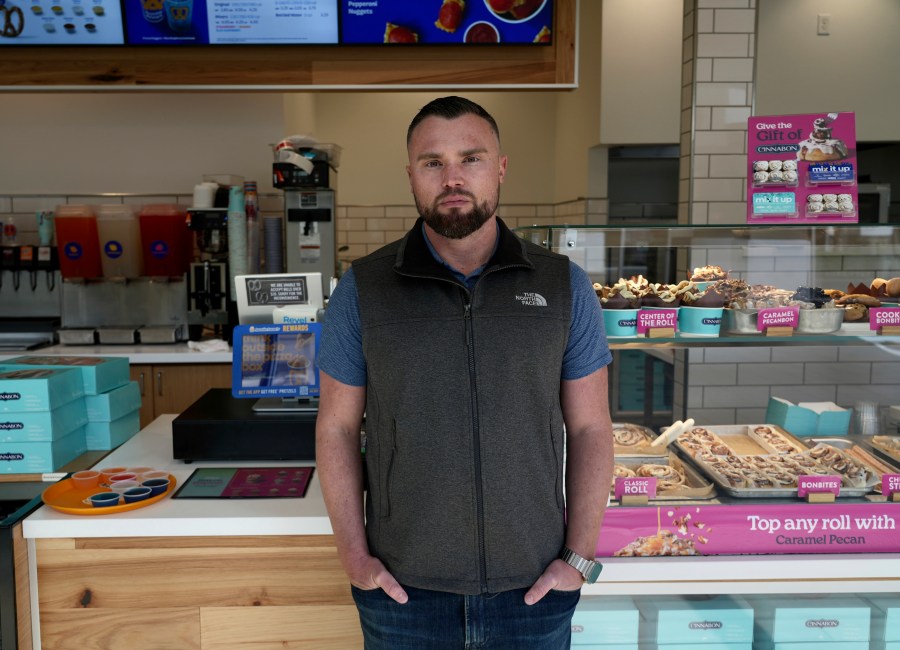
436 620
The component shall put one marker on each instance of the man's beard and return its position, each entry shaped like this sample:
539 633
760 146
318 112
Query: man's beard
457 224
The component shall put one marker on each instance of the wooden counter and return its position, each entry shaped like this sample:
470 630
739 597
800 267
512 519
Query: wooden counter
190 574
237 574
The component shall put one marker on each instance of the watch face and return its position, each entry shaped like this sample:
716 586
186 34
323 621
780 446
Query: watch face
593 573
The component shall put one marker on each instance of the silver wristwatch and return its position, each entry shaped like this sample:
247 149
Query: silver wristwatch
589 569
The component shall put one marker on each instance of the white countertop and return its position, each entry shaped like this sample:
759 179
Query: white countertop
848 573
187 517
161 353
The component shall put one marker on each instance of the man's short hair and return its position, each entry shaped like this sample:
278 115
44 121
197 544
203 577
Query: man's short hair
450 108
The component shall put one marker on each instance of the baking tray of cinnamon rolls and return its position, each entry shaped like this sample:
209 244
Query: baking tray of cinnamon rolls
763 460
634 440
675 480
887 447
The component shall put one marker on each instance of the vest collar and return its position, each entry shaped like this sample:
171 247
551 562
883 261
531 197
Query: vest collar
414 257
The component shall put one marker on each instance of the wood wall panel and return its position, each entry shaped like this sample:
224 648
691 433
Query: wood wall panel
277 628
194 593
23 588
154 628
283 67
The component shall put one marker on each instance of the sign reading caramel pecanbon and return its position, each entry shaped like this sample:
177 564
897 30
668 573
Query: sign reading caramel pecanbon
802 168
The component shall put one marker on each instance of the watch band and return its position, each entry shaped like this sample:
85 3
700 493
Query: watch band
589 569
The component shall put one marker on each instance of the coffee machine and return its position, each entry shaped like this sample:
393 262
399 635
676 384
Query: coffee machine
209 295
310 233
303 169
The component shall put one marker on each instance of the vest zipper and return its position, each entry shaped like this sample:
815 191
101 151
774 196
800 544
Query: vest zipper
476 444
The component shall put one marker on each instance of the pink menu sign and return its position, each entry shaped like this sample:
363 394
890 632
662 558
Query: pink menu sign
718 529
884 317
802 168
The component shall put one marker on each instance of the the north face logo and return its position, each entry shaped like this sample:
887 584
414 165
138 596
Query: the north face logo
532 299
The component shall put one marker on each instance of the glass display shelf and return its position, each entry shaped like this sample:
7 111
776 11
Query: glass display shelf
680 341
827 256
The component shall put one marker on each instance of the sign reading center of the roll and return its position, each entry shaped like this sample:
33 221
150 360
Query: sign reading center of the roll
802 169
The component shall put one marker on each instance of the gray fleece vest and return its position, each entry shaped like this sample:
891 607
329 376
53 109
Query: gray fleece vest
463 420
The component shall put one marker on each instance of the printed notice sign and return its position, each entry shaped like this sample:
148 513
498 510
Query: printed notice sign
821 484
777 317
802 168
663 318
635 486
275 360
884 317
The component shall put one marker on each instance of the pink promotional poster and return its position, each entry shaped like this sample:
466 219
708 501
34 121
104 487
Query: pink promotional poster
802 169
717 529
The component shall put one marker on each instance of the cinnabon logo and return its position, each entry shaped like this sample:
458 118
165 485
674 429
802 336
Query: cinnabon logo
577 629
705 625
12 456
822 622
628 323
11 426
9 397
711 321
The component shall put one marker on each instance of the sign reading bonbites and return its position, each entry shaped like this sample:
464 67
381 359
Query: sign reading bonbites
751 529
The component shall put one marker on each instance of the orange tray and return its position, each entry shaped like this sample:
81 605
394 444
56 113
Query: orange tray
65 497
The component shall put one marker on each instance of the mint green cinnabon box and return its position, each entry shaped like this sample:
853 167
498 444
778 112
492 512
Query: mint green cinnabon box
109 435
99 374
24 389
885 621
113 404
43 426
605 622
782 622
716 623
39 457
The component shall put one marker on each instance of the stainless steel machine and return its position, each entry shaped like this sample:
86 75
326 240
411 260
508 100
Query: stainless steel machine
310 241
139 310
30 295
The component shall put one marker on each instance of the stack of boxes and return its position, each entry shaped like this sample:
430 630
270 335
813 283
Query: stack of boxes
700 623
811 623
605 623
53 409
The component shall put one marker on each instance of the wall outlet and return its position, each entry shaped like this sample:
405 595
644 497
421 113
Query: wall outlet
823 24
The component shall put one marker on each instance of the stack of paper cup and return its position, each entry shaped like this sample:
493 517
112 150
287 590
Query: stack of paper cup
204 195
237 235
273 244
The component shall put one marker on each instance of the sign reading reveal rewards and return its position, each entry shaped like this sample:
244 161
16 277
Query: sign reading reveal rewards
276 360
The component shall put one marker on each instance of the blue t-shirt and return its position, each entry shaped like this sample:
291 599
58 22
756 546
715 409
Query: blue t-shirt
341 351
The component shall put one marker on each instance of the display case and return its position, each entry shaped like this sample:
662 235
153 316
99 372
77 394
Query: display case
830 257
729 378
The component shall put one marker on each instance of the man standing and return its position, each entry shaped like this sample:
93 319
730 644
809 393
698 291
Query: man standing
478 360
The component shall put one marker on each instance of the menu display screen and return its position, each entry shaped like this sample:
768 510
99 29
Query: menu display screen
275 22
232 22
479 22
58 22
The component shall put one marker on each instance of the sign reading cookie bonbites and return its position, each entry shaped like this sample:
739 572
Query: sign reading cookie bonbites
802 168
